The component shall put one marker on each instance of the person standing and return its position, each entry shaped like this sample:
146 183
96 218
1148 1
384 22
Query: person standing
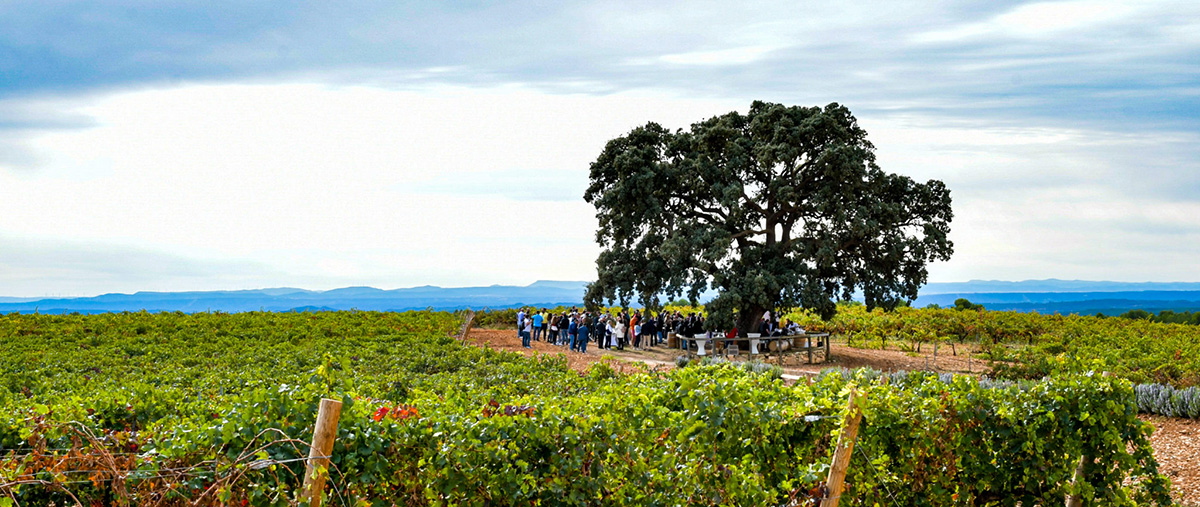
627 331
661 326
619 331
606 343
633 331
526 332
573 332
585 323
649 332
609 337
538 320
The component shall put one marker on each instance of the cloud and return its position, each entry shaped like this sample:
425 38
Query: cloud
1063 62
332 186
1041 202
20 120
566 185
50 267
1038 20
408 143
731 56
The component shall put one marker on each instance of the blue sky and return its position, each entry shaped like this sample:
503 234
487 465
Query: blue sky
214 145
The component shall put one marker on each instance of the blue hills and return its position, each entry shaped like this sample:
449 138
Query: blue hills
1066 296
1043 296
542 293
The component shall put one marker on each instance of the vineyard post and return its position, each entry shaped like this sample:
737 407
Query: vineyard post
1077 500
324 433
467 325
845 449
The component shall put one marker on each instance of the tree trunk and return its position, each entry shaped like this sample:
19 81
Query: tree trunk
747 321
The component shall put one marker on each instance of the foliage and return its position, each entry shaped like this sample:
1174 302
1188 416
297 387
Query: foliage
214 409
966 304
1165 316
1030 345
1000 446
1172 317
781 207
1137 314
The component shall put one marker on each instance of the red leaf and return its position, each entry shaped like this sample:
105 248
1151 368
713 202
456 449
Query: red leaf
379 414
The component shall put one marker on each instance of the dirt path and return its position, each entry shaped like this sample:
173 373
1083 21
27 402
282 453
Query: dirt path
1177 448
1176 441
848 357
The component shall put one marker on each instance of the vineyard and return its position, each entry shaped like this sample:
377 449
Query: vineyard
217 409
1029 345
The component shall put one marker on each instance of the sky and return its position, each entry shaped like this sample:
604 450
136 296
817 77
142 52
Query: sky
206 145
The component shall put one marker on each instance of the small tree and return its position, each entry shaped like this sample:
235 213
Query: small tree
780 207
1137 314
966 304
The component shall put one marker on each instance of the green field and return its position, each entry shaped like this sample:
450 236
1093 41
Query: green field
216 409
1029 345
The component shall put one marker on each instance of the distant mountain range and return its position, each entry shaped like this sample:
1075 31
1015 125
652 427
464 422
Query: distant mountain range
1044 296
1066 296
542 293
1053 285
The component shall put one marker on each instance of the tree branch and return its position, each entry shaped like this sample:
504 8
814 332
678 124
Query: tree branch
752 203
747 233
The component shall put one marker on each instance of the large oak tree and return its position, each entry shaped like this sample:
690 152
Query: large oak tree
777 208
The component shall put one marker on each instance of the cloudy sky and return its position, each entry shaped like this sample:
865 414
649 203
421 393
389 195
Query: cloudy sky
194 145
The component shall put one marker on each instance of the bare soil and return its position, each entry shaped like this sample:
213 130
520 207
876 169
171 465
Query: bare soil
1177 449
1176 441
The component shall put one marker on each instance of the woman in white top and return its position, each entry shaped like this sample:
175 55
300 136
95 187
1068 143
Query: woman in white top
609 336
526 330
618 330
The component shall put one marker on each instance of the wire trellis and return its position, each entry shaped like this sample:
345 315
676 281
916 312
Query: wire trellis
106 469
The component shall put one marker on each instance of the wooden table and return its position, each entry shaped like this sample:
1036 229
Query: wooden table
755 340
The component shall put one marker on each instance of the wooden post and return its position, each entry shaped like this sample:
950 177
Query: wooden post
467 325
845 449
324 433
1073 500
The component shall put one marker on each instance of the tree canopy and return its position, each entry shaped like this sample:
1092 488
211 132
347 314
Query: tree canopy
779 207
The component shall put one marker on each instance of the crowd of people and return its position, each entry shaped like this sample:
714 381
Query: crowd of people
640 330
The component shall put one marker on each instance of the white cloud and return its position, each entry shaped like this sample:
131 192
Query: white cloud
1047 18
731 56
1043 20
1044 202
331 186
383 183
